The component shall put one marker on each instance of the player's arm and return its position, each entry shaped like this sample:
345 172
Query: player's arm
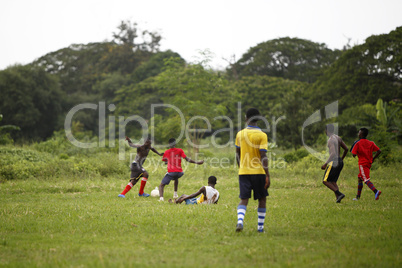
264 162
345 149
131 144
332 153
155 151
376 155
238 156
193 161
202 190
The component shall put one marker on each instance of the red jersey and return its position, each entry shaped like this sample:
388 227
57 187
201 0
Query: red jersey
173 157
364 150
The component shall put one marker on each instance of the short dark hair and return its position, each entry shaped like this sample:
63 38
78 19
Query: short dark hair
172 141
253 114
212 180
364 131
330 128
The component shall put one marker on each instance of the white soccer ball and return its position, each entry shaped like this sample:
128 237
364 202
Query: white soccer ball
155 192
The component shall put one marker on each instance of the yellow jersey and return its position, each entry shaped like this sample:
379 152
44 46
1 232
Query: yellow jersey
251 141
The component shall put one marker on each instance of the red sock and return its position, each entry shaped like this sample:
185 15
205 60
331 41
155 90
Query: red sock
143 182
128 188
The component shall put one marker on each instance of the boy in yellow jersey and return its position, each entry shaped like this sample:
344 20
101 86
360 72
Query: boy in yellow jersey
251 155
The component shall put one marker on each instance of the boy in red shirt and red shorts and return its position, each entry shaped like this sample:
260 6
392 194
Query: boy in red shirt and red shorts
364 149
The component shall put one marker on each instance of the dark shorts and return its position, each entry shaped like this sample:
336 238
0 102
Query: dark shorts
333 170
136 171
252 182
171 176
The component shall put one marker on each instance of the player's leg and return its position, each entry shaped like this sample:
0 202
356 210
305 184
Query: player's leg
176 185
365 171
177 176
143 183
261 211
165 181
359 188
245 193
260 194
241 212
136 174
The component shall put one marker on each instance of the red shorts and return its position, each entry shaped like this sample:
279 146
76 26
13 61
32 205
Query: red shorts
364 173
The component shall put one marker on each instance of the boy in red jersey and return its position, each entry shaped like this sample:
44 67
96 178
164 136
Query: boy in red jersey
173 158
364 149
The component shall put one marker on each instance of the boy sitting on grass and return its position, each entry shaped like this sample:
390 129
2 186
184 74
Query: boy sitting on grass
209 195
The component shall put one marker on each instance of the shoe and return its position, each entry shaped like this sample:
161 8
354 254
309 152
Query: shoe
261 231
143 195
175 196
338 200
121 195
377 195
239 227
355 199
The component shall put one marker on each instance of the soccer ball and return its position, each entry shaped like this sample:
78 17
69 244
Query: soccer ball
155 192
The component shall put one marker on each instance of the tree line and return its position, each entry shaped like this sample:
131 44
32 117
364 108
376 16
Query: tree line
288 77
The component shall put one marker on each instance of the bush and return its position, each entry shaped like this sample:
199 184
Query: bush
296 155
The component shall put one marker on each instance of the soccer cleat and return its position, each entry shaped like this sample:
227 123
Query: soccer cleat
340 197
121 195
143 195
239 227
355 199
377 195
261 230
175 196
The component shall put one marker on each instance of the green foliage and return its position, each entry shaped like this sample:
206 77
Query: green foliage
5 136
289 58
381 112
30 99
362 74
296 155
196 92
280 101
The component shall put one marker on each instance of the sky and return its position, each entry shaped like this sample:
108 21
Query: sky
30 29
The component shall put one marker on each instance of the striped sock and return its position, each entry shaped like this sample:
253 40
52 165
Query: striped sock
359 189
241 211
371 186
261 218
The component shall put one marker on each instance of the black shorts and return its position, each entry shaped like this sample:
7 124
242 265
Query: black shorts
136 171
333 170
252 182
171 176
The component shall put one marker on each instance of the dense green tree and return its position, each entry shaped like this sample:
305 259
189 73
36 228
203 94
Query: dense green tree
197 92
363 74
281 102
290 58
31 98
153 66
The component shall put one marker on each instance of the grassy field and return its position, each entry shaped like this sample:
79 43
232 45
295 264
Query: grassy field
76 219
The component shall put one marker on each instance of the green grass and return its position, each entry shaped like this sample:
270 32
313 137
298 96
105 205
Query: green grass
78 221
